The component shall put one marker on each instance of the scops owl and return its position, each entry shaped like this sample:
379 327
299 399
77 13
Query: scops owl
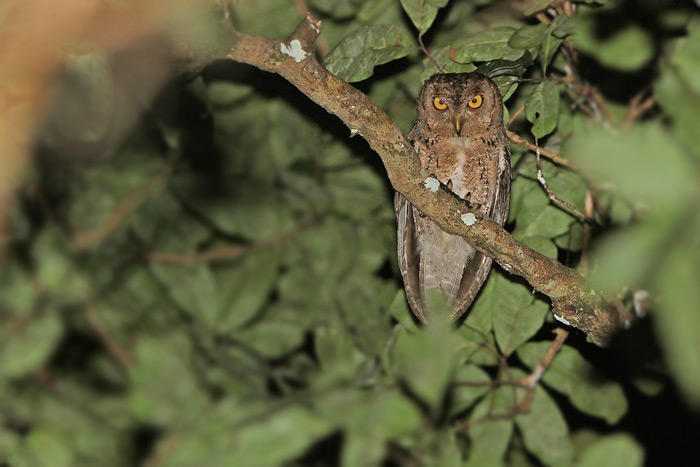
460 139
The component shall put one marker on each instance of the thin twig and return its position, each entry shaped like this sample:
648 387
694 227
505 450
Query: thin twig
115 349
520 141
515 115
589 207
94 237
430 57
323 47
225 253
638 106
531 380
550 194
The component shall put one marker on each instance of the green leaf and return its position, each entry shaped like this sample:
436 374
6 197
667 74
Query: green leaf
544 430
422 12
542 108
550 45
628 49
616 450
527 37
27 344
355 57
471 382
515 313
491 44
570 374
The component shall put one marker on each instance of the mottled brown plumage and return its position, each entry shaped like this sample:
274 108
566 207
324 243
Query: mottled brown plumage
460 139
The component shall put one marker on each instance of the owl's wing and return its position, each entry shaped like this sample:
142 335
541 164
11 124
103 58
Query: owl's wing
409 260
477 270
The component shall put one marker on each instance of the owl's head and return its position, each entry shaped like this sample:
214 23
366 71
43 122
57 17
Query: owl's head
460 104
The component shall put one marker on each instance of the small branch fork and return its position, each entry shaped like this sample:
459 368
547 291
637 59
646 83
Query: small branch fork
550 194
528 381
570 295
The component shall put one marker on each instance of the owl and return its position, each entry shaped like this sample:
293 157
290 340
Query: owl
461 141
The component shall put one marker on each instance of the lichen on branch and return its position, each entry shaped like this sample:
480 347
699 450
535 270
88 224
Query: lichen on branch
573 301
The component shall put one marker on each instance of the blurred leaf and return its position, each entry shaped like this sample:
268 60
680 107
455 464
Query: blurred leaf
490 438
627 49
362 450
155 398
245 287
471 382
542 108
274 337
28 342
679 299
615 450
45 448
570 374
426 360
491 44
422 12
681 104
337 9
355 57
537 5
632 161
400 310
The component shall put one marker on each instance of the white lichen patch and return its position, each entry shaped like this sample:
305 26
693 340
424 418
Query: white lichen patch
468 219
432 184
540 177
294 50
562 320
641 302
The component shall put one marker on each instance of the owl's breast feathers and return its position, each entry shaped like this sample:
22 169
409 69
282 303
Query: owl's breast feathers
477 169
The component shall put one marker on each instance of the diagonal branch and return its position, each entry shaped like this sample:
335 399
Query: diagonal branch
574 303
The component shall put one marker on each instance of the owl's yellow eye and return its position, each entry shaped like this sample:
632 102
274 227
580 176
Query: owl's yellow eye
439 104
476 101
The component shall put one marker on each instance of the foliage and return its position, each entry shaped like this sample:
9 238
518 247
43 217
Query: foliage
220 286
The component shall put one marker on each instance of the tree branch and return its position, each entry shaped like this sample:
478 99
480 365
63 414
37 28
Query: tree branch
573 301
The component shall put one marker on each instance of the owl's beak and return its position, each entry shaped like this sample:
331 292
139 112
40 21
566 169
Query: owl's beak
458 124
